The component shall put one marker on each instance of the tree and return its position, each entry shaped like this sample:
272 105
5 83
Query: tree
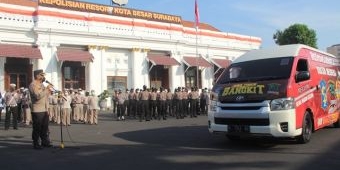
296 34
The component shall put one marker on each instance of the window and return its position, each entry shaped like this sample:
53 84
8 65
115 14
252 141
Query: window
302 72
73 75
257 70
302 65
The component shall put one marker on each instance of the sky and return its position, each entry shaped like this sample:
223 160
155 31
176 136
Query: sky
260 18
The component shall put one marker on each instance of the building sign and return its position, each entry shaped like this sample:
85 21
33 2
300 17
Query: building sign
133 13
117 11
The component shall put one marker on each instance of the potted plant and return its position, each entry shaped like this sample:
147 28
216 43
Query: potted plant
103 99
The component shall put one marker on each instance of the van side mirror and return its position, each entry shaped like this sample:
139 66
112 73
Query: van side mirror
302 76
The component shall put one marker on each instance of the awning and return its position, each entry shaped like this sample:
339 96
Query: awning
71 54
196 61
162 60
20 51
221 63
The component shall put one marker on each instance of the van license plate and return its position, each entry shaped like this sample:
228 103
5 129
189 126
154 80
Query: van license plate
239 128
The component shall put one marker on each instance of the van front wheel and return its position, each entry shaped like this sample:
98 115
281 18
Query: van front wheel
337 123
307 129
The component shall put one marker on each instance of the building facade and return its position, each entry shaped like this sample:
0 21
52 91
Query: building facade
334 49
98 47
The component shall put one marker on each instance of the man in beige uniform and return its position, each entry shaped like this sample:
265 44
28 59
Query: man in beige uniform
78 114
162 104
86 107
50 108
11 100
55 108
93 106
39 96
144 98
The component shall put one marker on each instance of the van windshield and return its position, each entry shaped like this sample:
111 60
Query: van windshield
257 70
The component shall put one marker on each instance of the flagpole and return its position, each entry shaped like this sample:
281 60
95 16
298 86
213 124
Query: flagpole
196 24
197 58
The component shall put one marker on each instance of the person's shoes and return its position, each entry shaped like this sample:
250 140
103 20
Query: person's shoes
37 147
123 118
47 145
15 128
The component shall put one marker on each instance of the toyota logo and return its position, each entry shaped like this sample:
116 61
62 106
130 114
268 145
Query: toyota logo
240 98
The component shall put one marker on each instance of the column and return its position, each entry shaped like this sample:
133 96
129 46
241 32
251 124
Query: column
207 76
2 74
140 68
49 64
177 72
94 71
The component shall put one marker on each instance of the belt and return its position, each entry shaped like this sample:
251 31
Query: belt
12 106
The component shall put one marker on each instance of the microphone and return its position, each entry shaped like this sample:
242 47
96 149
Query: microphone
48 82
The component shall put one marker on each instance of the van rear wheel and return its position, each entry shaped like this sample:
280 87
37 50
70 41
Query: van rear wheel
307 129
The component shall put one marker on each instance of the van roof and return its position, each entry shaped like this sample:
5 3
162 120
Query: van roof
278 51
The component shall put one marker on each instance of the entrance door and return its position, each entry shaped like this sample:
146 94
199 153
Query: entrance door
159 77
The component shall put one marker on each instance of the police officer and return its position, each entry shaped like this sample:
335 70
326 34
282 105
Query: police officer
162 104
136 97
185 101
153 103
204 98
169 98
114 102
132 104
144 99
179 104
39 94
126 103
86 110
11 100
193 102
120 106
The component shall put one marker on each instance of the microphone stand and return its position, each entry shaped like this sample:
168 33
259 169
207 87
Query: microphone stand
60 97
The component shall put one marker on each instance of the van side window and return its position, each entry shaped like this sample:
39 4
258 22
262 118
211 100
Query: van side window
302 72
302 65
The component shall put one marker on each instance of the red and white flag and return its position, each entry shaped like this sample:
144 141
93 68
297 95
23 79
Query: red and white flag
197 14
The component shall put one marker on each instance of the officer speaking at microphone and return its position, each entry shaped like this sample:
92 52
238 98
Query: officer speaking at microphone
39 96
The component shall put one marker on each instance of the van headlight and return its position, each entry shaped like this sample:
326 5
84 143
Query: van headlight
282 104
213 101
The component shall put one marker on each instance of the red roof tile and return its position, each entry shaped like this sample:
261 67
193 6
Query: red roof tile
29 3
196 61
19 51
221 63
163 60
203 26
69 54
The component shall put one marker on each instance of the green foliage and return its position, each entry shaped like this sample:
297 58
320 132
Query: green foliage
104 95
296 34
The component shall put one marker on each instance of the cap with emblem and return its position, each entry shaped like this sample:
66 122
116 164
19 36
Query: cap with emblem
38 72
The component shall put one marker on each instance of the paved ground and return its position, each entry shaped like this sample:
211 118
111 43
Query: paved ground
171 144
